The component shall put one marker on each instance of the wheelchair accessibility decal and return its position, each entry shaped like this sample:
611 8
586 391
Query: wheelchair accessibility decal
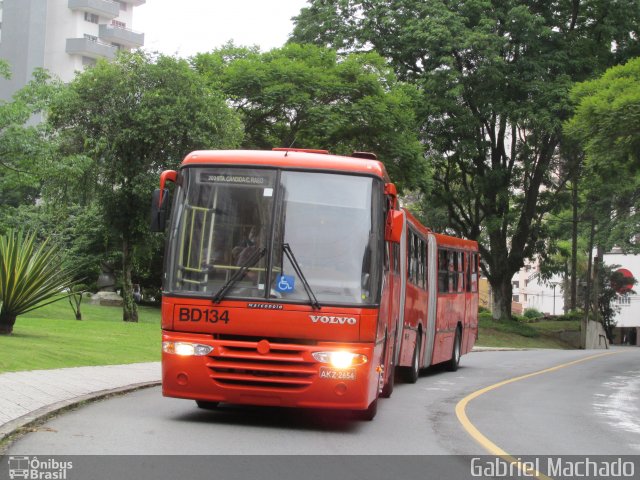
285 283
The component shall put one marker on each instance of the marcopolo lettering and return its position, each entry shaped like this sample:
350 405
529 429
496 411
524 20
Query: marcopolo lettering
332 319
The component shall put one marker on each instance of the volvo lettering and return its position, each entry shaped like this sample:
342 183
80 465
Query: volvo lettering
335 320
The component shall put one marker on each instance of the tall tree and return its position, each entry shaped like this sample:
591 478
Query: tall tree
606 124
133 118
310 97
495 77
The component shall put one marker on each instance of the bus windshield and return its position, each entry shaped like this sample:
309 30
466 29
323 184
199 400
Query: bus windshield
225 220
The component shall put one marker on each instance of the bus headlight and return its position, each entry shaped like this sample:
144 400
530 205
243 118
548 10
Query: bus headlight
340 358
186 349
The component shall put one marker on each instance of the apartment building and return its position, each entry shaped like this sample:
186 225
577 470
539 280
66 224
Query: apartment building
62 36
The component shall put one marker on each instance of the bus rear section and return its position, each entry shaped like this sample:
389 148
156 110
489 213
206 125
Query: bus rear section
440 314
273 280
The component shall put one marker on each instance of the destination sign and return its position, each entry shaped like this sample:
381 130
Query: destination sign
257 180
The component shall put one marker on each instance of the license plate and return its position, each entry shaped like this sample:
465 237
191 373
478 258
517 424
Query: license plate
337 373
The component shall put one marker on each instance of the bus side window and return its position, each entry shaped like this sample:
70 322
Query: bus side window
468 259
417 260
453 278
409 254
386 256
443 271
474 272
423 264
396 257
460 269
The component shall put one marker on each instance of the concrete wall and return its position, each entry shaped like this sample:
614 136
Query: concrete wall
596 337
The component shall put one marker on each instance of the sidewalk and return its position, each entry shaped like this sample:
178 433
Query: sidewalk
25 396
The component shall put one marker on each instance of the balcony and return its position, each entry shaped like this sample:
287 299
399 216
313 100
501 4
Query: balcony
121 36
102 8
90 48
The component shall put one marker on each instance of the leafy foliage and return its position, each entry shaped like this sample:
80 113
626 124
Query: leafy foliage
311 97
606 124
24 143
495 78
531 313
128 120
31 272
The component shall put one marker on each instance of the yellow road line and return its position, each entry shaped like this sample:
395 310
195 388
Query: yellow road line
488 445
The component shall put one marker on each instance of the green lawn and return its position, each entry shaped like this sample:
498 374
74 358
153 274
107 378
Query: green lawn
523 335
50 337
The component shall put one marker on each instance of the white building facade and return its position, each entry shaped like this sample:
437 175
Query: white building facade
62 36
530 292
627 329
548 297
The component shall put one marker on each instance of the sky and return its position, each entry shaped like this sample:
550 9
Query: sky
187 27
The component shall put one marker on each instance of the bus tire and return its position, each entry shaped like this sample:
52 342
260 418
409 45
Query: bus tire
387 389
454 361
368 414
207 405
413 372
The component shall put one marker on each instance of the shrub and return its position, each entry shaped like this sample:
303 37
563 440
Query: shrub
572 315
31 273
532 313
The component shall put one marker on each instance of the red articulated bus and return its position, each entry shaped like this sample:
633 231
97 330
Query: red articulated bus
294 279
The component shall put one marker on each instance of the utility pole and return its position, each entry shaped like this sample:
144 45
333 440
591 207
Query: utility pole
587 297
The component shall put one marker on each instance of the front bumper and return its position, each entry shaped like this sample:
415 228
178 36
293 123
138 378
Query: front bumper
267 372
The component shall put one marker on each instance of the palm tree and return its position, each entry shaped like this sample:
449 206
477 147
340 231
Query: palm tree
31 273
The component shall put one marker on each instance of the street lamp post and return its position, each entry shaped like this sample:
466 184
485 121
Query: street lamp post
554 285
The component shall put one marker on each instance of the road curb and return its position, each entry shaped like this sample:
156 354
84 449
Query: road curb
13 426
502 349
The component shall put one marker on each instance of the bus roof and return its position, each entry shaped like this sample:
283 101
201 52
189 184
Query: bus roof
455 242
441 239
288 158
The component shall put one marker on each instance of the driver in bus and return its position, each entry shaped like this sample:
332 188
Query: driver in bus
246 249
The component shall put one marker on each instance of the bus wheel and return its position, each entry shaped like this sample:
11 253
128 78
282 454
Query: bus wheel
454 361
368 414
387 390
207 405
413 372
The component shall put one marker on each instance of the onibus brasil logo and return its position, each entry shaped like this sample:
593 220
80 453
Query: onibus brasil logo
35 469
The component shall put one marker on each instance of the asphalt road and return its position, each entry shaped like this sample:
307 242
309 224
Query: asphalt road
590 407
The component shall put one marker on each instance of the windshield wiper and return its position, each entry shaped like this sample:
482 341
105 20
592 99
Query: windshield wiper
240 273
296 266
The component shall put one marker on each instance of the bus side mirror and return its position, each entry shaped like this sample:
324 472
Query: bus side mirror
394 226
159 204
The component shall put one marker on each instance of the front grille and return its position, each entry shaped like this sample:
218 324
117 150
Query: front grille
238 363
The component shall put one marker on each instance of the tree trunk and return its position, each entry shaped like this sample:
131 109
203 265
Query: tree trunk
129 307
6 323
502 296
573 304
